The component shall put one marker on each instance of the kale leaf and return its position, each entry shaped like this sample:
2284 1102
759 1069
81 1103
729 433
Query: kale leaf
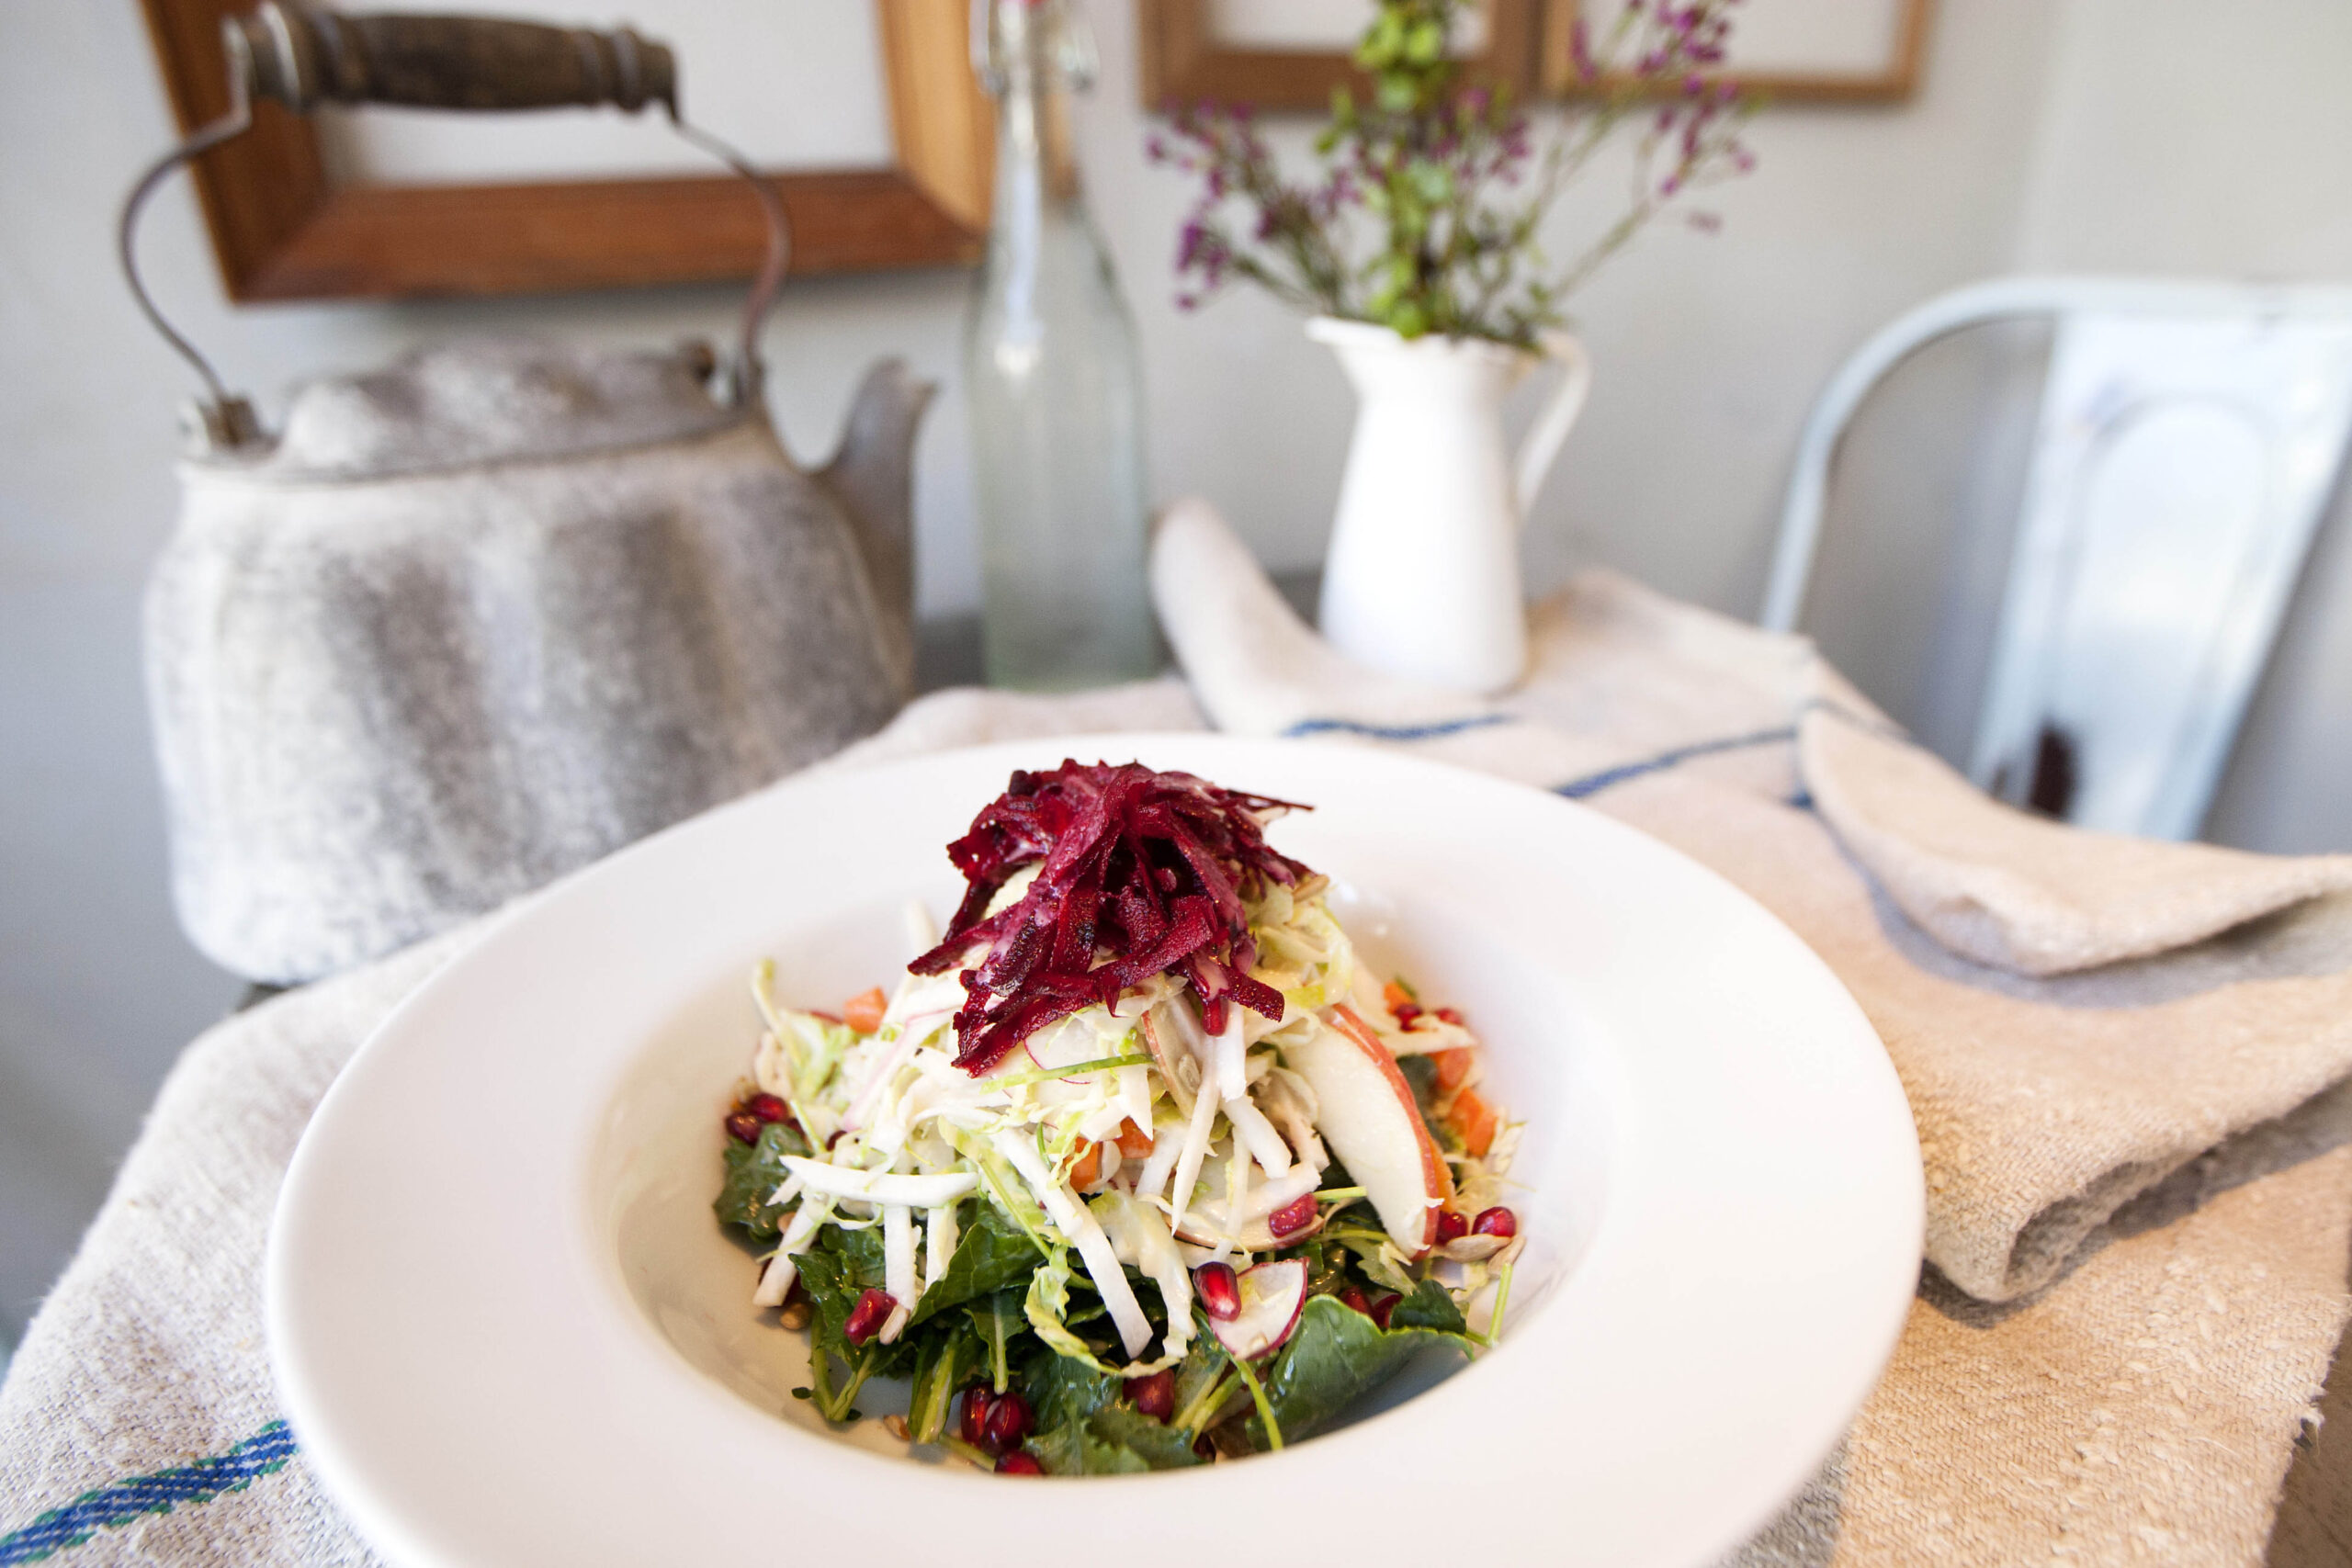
1063 1390
754 1172
1336 1356
1114 1440
992 1253
1002 1326
1428 1307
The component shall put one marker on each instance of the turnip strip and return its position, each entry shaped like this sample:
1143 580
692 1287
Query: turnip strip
1152 1181
1251 1127
1141 1237
1135 1096
1196 1148
775 1279
1085 1234
1264 1199
939 1237
874 1187
1237 1186
898 1253
1230 1057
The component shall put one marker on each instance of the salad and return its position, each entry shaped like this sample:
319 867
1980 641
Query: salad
1138 1167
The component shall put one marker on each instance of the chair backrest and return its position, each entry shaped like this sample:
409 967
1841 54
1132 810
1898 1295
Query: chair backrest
2189 439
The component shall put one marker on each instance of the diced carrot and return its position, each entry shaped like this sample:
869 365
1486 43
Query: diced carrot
864 1014
1475 1119
1453 1066
1133 1141
1087 1165
1394 996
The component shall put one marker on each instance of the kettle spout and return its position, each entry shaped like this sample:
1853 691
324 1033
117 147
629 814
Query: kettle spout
873 474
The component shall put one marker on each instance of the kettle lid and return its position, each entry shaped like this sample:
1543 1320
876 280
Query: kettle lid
482 400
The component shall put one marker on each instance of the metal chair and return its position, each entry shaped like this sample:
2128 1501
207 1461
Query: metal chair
2188 439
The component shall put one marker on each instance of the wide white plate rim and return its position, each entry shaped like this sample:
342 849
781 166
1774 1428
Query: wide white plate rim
1882 1212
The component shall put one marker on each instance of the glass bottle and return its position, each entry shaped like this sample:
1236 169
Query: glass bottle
1055 386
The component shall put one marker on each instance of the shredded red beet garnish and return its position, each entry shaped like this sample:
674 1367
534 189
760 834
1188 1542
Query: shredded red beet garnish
1143 873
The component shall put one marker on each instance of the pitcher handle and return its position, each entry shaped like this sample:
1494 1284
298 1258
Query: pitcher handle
1542 443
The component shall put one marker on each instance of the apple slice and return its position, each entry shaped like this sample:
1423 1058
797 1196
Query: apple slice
1273 1295
1364 1110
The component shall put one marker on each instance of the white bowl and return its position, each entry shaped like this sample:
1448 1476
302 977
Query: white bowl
509 1331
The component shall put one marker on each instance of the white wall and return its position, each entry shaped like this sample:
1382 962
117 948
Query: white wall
1708 349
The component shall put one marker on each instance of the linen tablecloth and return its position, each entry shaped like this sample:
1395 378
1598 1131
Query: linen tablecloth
2124 1060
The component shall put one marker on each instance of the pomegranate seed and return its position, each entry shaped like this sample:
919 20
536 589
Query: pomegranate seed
742 1126
1449 1015
1008 1423
1156 1396
1450 1226
768 1108
1220 1292
976 1414
872 1311
1496 1222
1019 1463
1292 1217
1406 1014
1383 1307
1355 1299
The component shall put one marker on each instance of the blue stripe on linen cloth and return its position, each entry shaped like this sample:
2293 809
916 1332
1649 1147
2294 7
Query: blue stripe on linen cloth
1593 784
1307 727
263 1453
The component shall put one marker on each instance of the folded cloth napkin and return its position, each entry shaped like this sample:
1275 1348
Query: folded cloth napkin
2120 1055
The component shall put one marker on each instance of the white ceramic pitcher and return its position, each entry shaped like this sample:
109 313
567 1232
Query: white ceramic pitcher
1423 578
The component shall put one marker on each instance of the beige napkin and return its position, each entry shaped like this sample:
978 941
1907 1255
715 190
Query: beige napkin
2138 1250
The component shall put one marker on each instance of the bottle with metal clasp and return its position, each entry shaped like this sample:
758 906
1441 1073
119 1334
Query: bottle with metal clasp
1055 384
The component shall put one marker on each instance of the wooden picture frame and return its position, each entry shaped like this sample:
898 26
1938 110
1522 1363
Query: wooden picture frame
282 230
1895 82
1183 63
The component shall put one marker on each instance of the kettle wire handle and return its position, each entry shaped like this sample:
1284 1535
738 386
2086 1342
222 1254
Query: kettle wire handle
301 54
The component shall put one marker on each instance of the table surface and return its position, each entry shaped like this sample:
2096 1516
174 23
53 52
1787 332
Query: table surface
2314 1527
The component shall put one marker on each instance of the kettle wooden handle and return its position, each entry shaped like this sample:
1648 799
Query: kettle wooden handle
301 55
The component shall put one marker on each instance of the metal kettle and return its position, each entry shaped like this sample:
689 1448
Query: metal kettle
475 619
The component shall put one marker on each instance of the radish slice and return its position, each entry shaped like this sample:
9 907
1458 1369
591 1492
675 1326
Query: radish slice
1273 1295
